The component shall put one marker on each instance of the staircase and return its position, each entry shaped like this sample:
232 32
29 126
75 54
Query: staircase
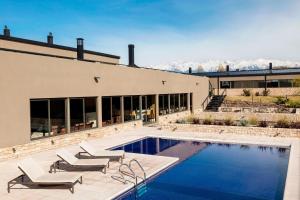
215 102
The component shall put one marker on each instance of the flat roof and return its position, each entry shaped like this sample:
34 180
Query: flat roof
56 46
259 72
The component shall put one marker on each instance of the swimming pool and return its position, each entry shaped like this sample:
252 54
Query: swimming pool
213 171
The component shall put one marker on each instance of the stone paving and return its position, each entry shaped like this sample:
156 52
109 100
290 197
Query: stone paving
97 185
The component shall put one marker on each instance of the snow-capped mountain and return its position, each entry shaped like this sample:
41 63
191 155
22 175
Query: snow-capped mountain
214 65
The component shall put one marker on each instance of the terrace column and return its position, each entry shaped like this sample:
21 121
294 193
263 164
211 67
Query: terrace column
265 82
122 108
99 111
218 85
67 115
141 106
189 101
156 107
179 105
169 104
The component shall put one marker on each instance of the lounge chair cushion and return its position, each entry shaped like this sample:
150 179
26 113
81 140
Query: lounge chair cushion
100 153
31 168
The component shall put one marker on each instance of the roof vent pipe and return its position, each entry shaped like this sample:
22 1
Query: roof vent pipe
190 70
131 55
270 66
6 31
227 68
50 38
80 49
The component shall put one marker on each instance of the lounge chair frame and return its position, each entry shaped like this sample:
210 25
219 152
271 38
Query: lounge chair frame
15 181
56 165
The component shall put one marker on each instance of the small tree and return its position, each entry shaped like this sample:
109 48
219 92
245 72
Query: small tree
296 82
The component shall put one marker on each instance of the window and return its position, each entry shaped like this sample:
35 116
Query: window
183 102
106 111
111 110
76 114
131 108
39 118
49 117
58 116
90 112
225 84
163 104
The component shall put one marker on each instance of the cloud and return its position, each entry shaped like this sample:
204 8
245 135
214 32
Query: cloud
259 33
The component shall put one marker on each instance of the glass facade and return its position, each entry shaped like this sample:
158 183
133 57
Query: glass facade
258 84
48 117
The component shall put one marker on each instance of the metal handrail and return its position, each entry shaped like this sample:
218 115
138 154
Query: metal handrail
139 164
132 174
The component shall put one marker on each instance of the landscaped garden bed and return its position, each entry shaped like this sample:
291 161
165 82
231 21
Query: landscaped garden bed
261 104
251 121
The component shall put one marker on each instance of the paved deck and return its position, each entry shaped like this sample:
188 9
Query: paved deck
97 185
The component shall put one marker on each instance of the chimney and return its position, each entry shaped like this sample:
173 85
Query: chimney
270 66
80 49
6 31
190 70
131 55
227 68
50 38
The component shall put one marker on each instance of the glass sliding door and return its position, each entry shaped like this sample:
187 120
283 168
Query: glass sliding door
136 111
163 104
106 111
90 110
39 118
116 110
76 114
148 108
57 116
128 116
183 102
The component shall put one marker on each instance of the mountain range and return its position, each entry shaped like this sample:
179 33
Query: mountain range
214 65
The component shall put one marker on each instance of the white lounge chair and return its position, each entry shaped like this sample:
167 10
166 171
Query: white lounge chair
38 176
70 159
91 150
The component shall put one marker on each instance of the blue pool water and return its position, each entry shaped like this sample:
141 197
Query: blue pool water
210 171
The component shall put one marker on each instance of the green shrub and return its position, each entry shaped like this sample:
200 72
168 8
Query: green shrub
219 123
246 92
228 121
190 119
295 125
281 100
180 121
196 121
243 122
263 123
282 123
266 92
208 120
253 121
293 104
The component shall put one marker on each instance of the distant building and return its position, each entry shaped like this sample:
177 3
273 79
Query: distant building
279 81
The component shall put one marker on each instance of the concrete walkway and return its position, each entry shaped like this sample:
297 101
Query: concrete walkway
97 185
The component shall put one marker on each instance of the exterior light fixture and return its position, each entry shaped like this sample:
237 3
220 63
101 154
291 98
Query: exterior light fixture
197 83
163 82
97 78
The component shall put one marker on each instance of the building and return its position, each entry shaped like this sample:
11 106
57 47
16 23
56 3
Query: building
280 81
52 90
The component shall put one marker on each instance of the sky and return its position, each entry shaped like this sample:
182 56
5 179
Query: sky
163 31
